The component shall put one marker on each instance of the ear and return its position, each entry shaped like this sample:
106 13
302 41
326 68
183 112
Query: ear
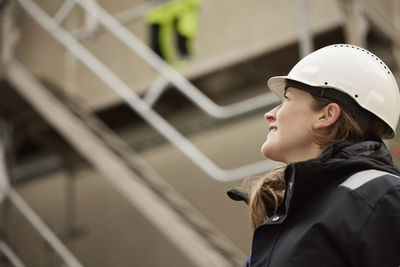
327 116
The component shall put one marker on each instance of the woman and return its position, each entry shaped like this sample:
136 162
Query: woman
342 200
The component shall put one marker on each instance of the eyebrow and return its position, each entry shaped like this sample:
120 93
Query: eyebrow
287 90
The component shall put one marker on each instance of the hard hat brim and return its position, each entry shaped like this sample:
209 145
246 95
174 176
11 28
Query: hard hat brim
277 85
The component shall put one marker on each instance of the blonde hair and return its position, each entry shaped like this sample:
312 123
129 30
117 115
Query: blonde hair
266 196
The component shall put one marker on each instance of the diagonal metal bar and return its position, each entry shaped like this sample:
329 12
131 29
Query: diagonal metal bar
140 106
123 17
64 11
176 78
10 254
42 228
156 90
179 223
182 84
33 218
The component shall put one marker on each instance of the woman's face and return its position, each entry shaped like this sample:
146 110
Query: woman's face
290 129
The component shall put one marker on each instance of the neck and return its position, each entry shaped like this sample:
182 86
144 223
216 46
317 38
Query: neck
305 154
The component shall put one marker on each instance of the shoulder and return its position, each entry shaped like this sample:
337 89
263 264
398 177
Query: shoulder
361 178
371 185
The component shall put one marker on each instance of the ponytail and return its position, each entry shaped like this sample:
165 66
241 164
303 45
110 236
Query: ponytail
266 196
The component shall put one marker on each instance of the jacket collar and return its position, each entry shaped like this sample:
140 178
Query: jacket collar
307 178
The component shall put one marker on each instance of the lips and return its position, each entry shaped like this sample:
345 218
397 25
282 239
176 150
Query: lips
272 127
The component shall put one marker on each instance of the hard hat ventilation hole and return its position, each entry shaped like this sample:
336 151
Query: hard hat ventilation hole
386 69
326 83
356 96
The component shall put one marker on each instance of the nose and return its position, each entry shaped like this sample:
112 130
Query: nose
271 115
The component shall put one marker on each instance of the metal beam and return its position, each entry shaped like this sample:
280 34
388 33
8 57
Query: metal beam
143 109
181 233
176 78
389 29
42 228
64 11
123 17
8 33
305 39
31 216
356 26
11 256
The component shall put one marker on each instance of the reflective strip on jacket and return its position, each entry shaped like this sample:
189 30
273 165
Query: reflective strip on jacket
327 221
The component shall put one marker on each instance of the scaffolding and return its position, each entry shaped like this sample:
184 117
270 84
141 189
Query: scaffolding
128 174
139 105
137 182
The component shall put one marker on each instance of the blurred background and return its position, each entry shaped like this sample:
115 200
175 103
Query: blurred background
123 123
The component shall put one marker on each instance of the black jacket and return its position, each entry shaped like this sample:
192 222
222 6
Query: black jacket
323 222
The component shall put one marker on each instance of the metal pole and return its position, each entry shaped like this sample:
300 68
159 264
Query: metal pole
396 24
140 106
41 227
169 214
11 256
306 42
356 26
123 17
389 30
155 91
30 215
181 83
4 182
64 11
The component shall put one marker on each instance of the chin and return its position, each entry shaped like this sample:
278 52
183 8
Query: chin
269 152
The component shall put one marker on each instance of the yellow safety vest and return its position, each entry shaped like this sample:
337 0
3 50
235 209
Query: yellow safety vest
184 12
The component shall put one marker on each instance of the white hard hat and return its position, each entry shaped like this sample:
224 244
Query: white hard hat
353 71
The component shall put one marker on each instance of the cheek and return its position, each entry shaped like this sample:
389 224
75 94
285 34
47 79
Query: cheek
295 125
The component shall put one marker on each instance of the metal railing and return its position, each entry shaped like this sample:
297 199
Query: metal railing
115 27
141 186
42 228
7 191
139 105
10 255
305 47
172 75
